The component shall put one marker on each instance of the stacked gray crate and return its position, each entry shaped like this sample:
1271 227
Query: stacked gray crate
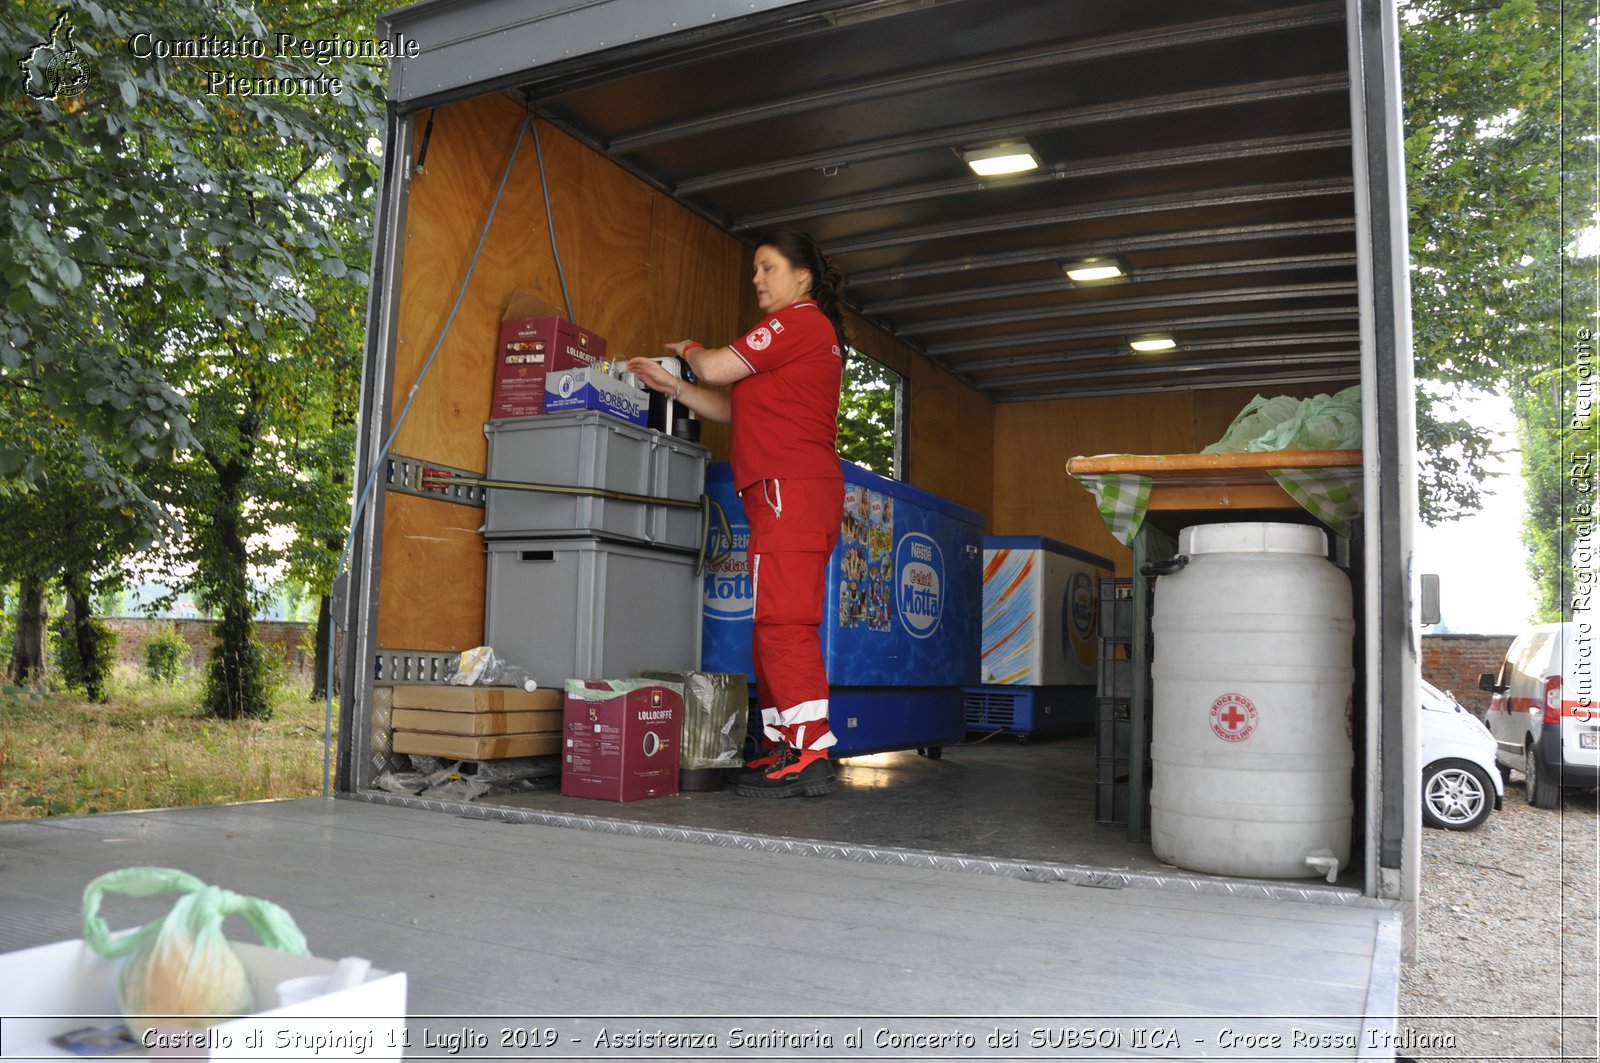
585 587
1114 718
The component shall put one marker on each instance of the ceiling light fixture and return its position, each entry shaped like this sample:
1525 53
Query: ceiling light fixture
1094 270
1152 343
995 160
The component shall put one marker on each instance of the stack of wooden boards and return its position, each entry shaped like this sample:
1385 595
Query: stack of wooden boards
476 723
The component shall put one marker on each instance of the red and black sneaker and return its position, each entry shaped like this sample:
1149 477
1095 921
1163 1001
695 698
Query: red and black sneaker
765 760
769 757
800 773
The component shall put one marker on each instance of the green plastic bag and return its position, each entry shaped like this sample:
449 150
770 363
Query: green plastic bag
181 964
1322 422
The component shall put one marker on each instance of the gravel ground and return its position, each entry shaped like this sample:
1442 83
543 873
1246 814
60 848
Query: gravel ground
1507 959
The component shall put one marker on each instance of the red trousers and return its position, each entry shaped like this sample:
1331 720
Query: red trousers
794 525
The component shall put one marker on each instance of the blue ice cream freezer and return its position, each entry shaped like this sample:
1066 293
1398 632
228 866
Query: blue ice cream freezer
902 626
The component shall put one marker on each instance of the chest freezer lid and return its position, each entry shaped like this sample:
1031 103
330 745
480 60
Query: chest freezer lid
720 474
1040 542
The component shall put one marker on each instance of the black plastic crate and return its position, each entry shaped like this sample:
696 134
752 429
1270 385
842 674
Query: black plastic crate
1111 801
1114 728
1115 678
1116 610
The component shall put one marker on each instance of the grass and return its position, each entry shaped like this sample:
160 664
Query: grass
149 746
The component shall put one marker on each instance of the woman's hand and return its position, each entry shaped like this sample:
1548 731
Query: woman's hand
655 376
711 404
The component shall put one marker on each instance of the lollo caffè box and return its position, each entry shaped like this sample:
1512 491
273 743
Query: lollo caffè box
621 739
534 342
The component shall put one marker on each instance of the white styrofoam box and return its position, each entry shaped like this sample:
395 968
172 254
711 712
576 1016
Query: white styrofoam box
591 609
587 449
53 989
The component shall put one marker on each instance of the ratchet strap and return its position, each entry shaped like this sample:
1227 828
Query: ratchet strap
439 479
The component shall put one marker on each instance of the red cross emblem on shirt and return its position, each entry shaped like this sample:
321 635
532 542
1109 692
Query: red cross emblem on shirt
1233 717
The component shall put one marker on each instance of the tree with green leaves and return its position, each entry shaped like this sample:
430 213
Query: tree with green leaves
68 522
178 255
1500 122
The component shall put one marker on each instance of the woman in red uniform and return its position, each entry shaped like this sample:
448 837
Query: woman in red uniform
782 408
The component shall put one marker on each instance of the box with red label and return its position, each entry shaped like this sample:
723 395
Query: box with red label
534 342
621 739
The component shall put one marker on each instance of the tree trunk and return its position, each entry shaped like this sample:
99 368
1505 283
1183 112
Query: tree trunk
237 680
80 621
27 646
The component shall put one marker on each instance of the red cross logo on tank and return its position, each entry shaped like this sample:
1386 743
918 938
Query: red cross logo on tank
1233 717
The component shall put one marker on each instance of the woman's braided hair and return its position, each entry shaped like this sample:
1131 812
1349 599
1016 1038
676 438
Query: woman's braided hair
827 284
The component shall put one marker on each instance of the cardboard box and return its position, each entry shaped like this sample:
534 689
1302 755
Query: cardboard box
622 739
53 989
535 341
477 747
589 388
477 699
477 723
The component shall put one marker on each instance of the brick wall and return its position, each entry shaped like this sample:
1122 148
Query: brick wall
292 641
1449 662
1454 662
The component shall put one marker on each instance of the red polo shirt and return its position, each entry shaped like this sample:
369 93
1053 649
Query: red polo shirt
785 416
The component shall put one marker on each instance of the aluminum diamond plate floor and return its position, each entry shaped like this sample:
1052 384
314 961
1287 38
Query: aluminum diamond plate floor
493 918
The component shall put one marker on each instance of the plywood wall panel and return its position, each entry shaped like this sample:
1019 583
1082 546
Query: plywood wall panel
952 440
603 229
602 221
431 594
448 206
697 274
1033 495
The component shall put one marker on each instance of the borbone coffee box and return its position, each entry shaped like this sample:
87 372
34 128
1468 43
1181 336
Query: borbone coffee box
590 388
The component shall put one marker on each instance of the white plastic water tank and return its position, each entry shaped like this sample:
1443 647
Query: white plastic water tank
1252 677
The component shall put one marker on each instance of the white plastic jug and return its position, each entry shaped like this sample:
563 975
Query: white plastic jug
1252 675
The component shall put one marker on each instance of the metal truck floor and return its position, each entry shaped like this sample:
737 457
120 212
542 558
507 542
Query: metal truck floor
492 918
993 805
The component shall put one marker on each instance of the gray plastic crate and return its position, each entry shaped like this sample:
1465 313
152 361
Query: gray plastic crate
591 609
586 448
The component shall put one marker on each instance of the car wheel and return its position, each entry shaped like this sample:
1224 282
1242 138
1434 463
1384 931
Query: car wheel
1542 789
1456 795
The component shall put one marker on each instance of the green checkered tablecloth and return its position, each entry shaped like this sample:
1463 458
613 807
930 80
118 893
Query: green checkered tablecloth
1332 495
1122 499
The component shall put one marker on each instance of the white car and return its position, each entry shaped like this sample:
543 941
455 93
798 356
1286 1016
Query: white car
1543 712
1460 783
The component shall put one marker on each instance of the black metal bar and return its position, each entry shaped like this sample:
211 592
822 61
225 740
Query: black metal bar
435 476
